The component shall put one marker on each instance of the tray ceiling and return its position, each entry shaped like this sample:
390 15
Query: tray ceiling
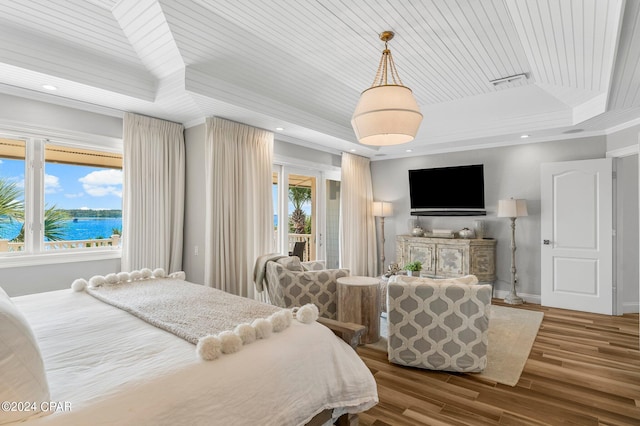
302 65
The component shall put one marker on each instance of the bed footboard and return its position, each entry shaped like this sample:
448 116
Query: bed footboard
347 331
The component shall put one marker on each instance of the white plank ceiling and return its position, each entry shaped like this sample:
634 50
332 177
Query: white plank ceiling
301 65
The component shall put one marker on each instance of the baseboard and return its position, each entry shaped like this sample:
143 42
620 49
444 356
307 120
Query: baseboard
631 307
627 307
529 298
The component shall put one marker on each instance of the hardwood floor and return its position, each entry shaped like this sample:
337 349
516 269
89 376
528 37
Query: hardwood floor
584 369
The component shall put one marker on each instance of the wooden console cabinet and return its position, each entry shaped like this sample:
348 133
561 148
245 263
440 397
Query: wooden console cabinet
449 257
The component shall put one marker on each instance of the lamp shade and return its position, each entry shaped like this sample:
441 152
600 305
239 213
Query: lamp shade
382 209
512 208
386 115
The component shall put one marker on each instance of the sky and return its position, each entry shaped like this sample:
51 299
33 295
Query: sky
72 187
306 207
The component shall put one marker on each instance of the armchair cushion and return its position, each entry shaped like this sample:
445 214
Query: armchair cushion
289 289
314 265
438 324
292 263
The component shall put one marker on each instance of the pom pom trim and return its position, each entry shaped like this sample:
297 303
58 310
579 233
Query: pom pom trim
124 277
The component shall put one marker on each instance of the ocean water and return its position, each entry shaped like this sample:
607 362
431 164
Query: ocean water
83 229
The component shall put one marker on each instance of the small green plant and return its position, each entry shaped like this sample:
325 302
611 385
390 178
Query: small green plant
413 266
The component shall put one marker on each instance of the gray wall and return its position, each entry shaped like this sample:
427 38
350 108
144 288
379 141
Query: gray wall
627 232
509 172
40 278
46 116
299 152
623 138
194 207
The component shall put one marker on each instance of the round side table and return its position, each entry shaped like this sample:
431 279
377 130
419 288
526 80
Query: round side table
359 302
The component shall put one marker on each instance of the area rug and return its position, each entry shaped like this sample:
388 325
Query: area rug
511 336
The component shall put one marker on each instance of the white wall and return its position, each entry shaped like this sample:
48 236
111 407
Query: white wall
509 172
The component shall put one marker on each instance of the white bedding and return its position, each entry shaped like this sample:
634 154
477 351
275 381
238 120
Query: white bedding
114 368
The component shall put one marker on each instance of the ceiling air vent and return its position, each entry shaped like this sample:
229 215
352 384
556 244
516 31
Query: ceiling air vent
510 79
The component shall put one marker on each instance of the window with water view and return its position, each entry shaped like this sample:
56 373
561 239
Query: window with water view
76 195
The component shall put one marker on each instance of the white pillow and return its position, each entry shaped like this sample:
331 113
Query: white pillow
22 375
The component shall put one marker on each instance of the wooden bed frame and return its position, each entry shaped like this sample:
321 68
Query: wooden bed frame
350 333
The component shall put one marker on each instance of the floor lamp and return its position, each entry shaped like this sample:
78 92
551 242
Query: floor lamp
382 209
513 209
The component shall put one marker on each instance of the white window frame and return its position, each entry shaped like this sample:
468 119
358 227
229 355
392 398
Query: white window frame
34 253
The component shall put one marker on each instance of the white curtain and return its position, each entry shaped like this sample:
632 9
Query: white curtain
153 194
239 205
358 250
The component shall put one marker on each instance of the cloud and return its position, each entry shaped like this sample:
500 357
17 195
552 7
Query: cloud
103 182
78 195
51 184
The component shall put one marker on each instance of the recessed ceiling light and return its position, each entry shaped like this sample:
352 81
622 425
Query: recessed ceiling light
524 136
352 150
409 150
49 87
279 129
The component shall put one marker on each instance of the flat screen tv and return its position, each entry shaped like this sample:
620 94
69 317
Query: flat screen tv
453 190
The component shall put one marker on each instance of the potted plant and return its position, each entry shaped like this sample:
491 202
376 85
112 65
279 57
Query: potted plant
413 268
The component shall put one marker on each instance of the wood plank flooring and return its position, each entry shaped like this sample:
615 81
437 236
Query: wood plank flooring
584 369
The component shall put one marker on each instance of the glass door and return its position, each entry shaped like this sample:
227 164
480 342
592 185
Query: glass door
302 232
306 213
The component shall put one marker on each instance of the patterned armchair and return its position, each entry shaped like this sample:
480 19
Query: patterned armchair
292 283
438 324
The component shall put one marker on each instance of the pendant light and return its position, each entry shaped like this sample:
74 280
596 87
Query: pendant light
387 113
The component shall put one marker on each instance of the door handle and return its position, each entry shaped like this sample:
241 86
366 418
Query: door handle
546 242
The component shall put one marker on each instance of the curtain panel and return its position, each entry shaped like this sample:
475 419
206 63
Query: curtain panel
358 251
153 193
239 205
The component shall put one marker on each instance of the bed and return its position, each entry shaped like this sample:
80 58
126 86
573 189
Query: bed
106 366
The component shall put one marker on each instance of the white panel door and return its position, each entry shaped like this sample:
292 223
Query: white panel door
577 228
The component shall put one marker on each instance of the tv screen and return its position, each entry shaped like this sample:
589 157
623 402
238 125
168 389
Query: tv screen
459 187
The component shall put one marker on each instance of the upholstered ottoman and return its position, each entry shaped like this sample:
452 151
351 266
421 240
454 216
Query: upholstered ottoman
438 324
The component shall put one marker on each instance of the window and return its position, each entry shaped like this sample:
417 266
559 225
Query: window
12 166
58 197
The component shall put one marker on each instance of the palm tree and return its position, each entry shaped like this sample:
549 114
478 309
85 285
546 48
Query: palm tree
13 208
298 195
10 204
54 225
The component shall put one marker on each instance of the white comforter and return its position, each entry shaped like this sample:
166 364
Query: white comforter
114 368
